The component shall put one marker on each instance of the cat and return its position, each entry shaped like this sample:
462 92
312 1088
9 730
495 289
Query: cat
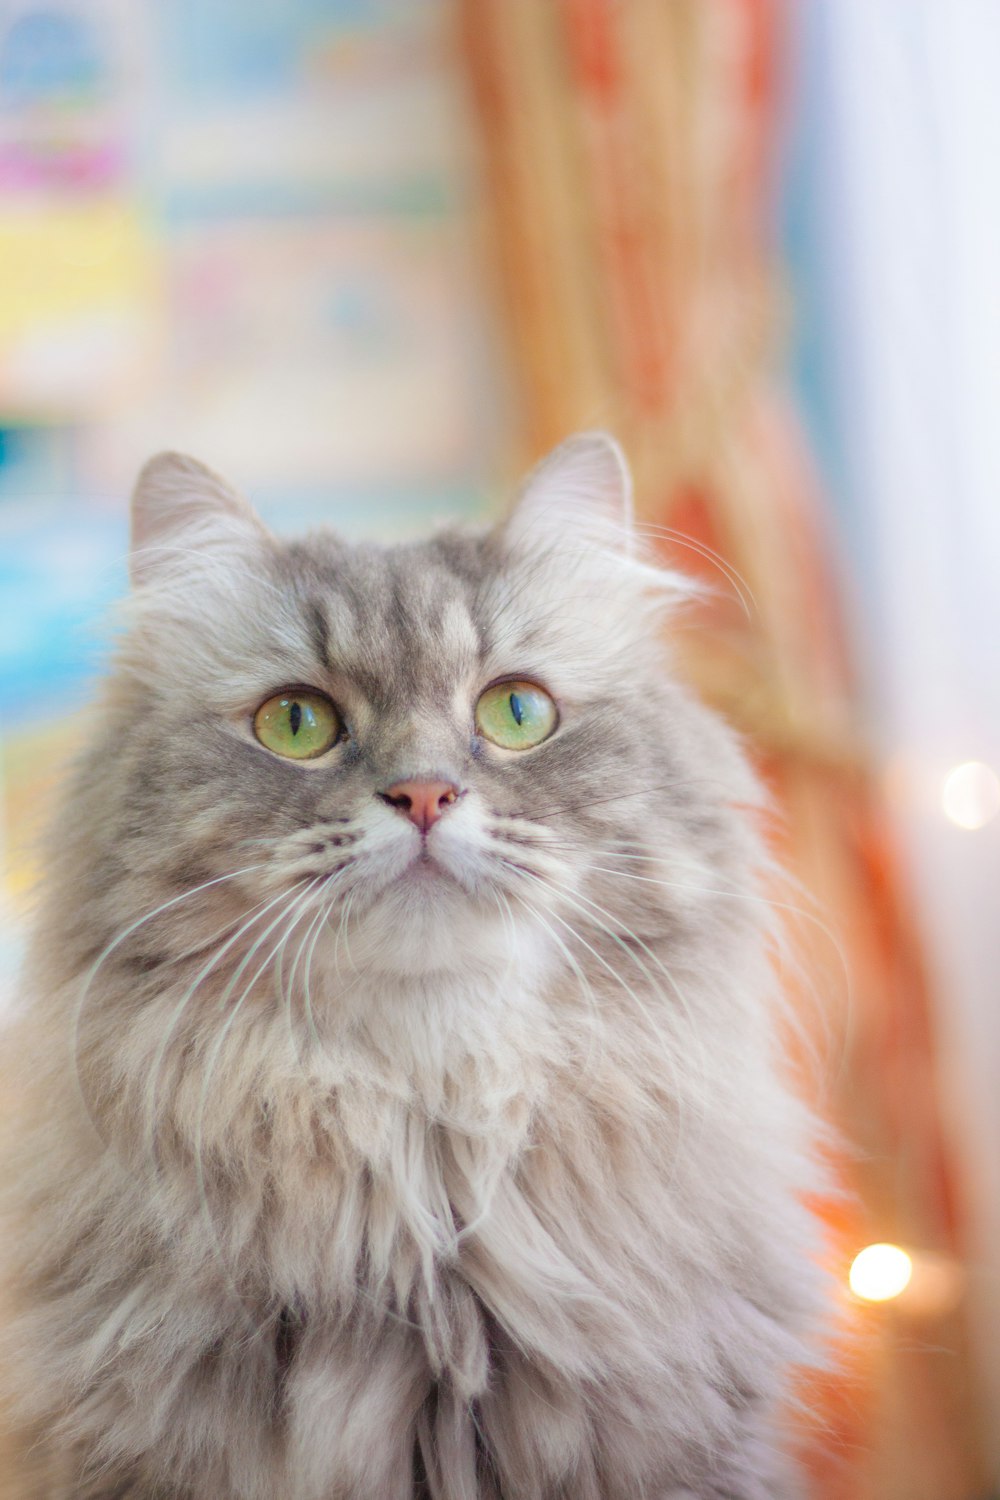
396 1102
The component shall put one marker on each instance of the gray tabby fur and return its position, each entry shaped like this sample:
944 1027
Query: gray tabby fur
333 1176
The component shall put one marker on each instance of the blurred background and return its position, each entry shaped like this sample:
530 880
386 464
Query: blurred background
370 258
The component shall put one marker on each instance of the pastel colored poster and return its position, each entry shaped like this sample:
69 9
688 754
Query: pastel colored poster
63 110
74 259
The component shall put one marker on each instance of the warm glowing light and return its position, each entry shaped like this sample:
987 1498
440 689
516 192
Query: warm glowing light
970 795
880 1272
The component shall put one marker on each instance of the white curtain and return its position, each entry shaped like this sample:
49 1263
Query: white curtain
897 243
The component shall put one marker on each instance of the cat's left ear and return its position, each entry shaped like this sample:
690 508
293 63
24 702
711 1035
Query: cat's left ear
582 489
180 506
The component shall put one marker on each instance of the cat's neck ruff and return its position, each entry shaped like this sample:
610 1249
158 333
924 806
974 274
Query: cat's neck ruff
458 1042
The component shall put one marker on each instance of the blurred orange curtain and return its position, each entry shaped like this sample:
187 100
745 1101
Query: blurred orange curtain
627 154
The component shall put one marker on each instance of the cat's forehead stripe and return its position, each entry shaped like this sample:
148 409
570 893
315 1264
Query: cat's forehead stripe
320 634
389 618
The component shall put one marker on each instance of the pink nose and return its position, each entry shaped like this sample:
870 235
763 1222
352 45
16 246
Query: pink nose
422 802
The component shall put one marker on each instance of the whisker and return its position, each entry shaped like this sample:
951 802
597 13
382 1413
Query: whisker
592 951
639 791
308 946
732 574
322 913
338 938
285 990
343 929
774 905
74 1037
307 973
694 1037
666 1043
585 985
161 1053
292 902
507 916
709 890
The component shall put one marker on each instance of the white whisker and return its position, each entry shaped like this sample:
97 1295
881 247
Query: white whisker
627 933
187 997
732 575
666 1043
292 902
586 988
75 1019
775 905
317 920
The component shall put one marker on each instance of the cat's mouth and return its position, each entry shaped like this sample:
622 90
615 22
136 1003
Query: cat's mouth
439 870
425 869
446 868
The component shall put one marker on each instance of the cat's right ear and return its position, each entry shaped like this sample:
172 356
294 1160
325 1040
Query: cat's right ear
180 506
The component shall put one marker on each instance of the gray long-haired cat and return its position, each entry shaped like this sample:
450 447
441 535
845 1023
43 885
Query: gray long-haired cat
397 1106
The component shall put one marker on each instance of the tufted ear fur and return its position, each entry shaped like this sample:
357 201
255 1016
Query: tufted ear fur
582 488
180 506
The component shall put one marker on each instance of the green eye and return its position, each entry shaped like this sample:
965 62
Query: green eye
516 715
297 725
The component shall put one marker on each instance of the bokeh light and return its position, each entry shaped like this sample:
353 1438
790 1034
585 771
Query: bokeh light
880 1272
970 795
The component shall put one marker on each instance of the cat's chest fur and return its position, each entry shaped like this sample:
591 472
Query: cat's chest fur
387 1216
364 1161
406 1173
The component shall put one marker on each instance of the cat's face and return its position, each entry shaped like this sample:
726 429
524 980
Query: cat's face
415 754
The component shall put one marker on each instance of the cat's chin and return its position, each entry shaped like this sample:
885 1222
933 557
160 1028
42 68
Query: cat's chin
427 920
426 877
429 895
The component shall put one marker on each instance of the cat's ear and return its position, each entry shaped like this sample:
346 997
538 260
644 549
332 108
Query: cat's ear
583 489
179 506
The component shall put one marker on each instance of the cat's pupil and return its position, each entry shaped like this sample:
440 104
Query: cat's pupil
295 717
515 708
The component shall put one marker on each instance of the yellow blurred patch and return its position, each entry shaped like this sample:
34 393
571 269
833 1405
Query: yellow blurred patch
33 765
77 296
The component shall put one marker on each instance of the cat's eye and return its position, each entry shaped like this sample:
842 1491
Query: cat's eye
298 723
516 715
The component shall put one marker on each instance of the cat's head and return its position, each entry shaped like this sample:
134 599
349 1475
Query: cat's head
426 753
